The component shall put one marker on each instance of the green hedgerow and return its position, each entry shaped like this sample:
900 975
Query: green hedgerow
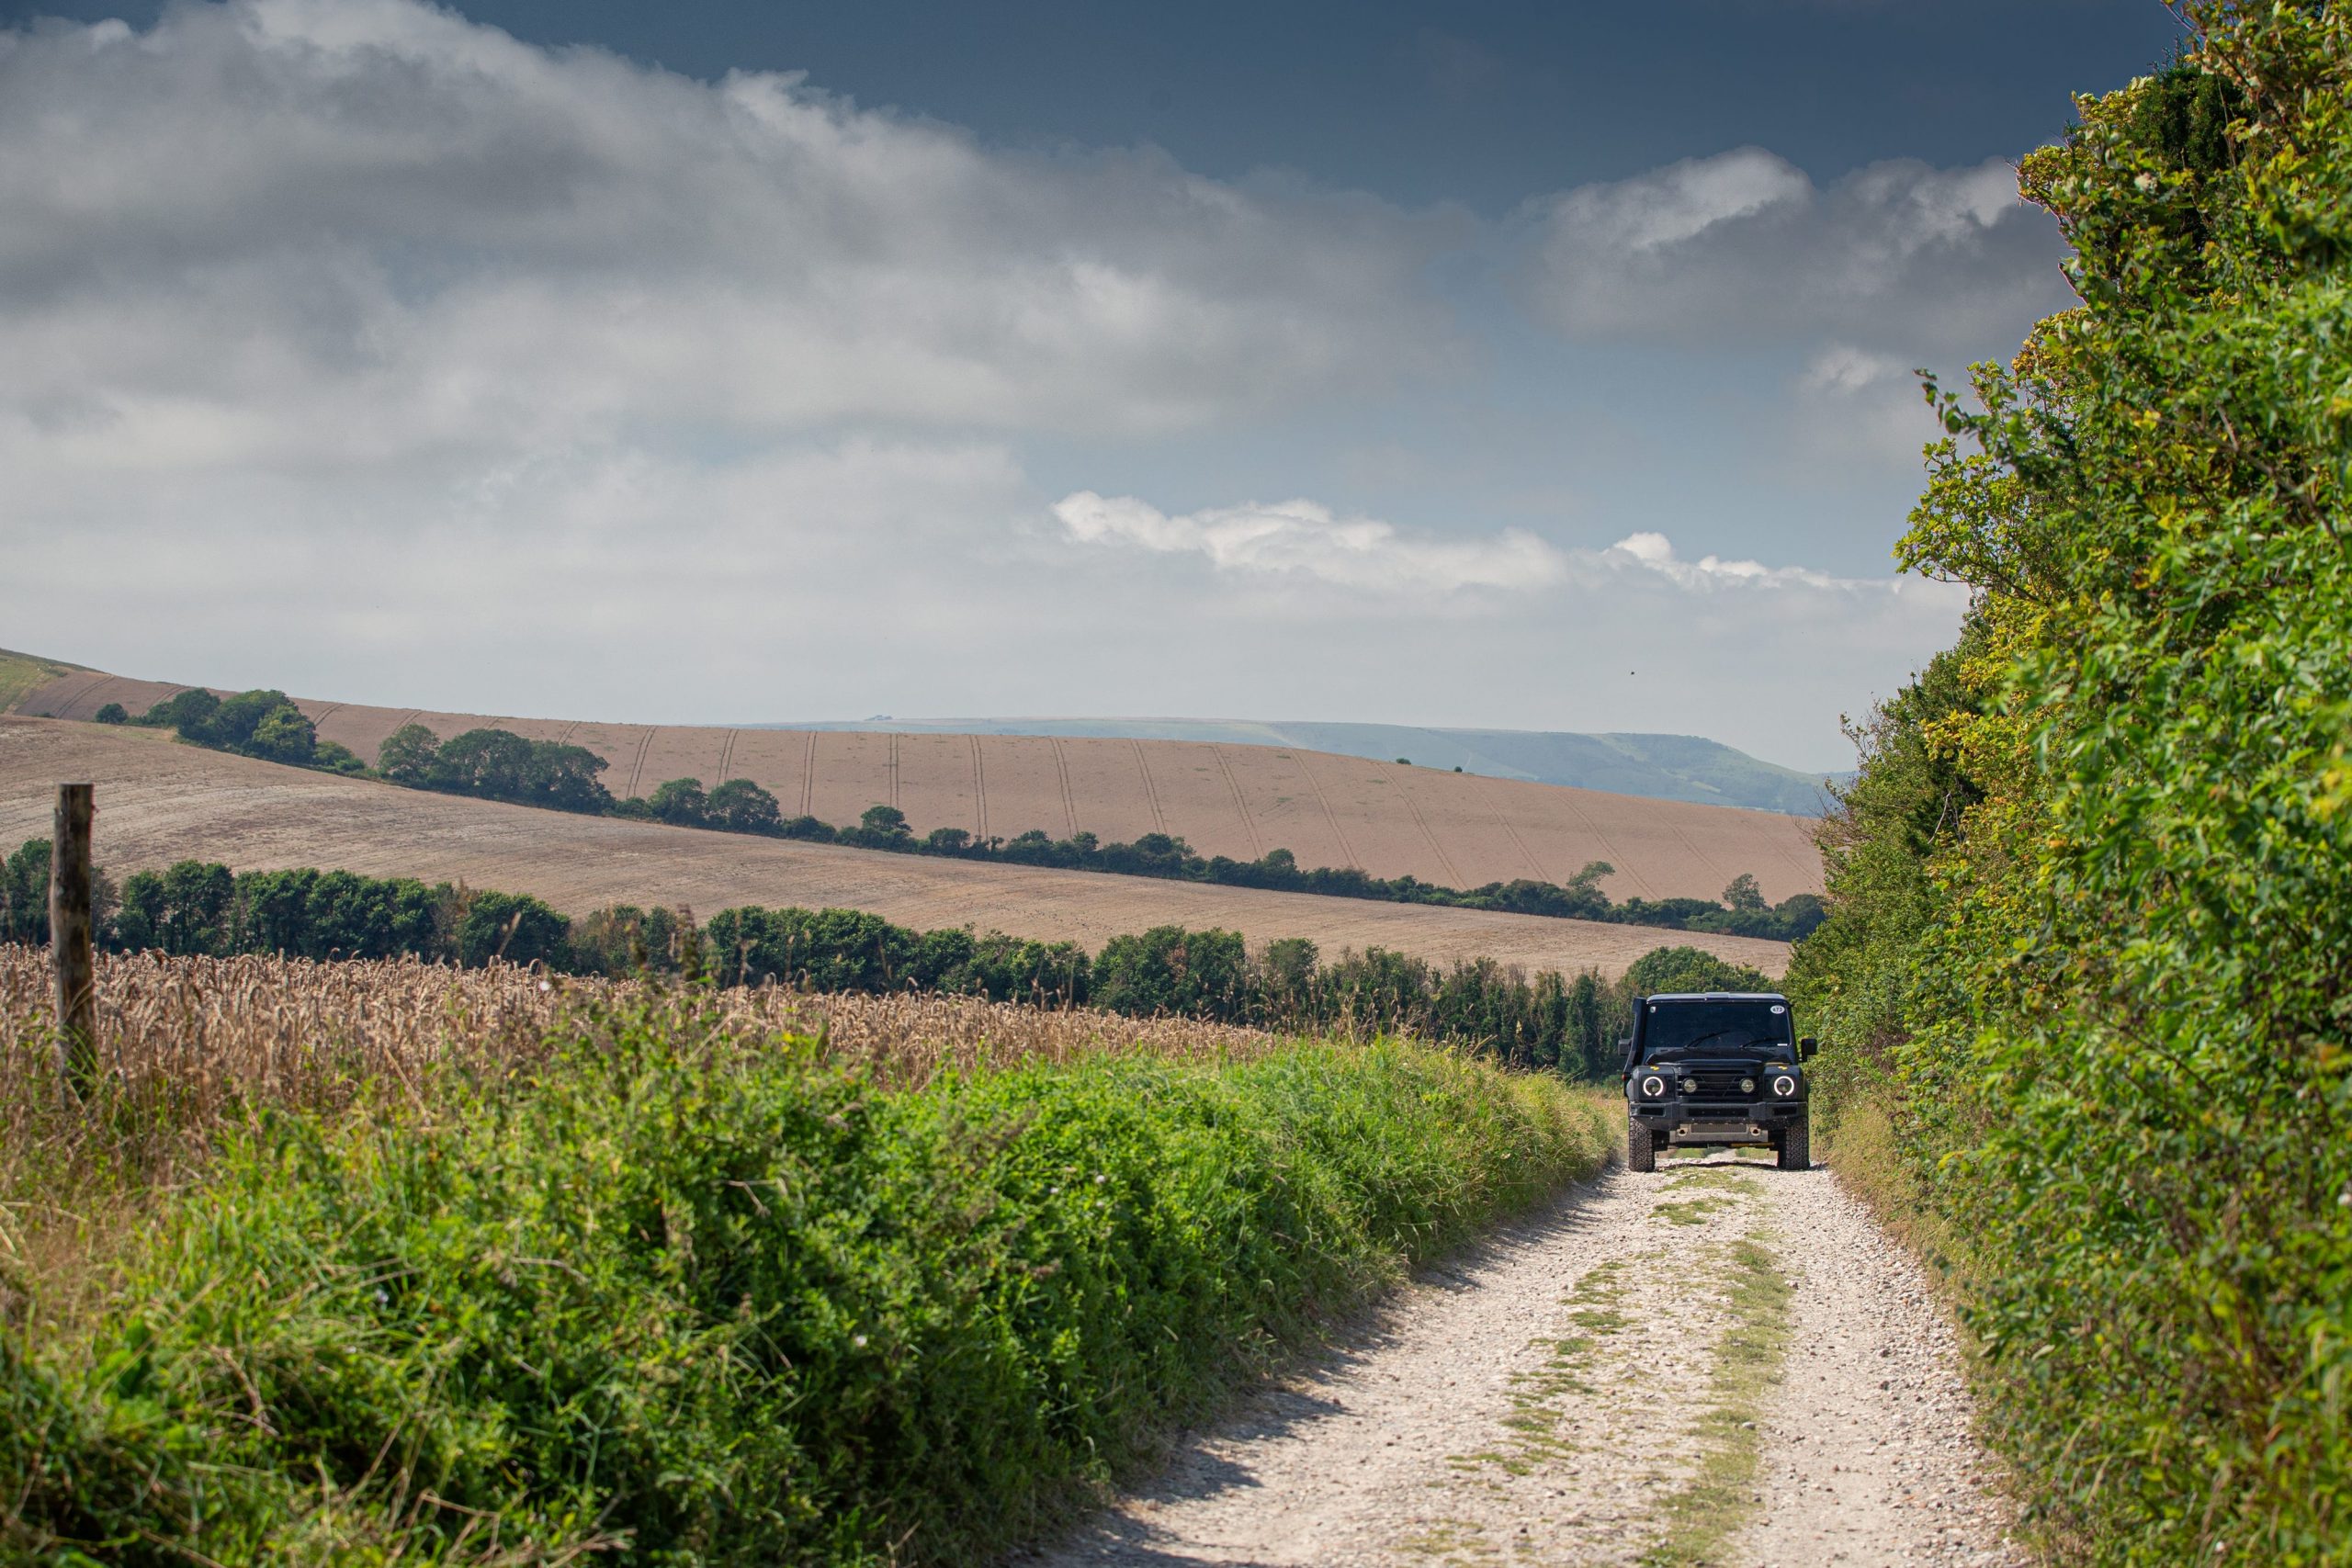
710 1301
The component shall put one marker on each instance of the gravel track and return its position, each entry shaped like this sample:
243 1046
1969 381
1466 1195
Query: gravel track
1721 1363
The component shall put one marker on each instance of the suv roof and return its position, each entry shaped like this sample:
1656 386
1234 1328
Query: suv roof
1716 996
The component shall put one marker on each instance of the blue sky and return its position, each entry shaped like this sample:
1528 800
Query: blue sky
1527 366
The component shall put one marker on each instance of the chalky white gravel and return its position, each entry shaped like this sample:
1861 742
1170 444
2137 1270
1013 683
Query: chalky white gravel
1545 1399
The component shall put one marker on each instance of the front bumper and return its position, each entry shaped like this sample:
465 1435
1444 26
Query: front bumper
1718 1122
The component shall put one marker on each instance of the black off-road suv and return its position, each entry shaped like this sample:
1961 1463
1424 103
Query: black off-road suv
1716 1069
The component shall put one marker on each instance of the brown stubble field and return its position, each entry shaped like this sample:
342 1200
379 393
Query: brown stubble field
159 801
1457 831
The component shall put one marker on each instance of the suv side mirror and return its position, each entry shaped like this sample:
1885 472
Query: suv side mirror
1806 1047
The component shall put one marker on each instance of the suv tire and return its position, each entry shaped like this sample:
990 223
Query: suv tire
1641 1146
1796 1144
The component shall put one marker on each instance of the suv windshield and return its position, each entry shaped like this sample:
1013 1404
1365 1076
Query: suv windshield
1677 1027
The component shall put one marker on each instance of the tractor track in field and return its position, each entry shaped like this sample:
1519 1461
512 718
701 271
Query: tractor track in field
1721 1364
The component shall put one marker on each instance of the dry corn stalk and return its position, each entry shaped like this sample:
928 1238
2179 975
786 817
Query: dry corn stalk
186 1042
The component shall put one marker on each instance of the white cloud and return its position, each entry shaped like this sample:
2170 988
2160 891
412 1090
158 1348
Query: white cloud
1853 410
1309 539
1654 553
324 232
1743 246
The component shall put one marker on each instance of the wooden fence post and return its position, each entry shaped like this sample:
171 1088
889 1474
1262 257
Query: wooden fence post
69 942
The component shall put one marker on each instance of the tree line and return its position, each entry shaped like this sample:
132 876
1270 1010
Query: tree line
490 763
1549 1021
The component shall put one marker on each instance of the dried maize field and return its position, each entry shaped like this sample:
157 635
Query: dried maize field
190 1045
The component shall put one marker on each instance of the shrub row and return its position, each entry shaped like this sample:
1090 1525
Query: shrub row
724 1303
2092 943
1566 1022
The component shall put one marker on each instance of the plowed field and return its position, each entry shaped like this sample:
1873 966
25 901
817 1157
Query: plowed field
159 801
1455 830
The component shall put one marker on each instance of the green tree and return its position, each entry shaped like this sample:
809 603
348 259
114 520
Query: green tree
112 713
513 927
411 755
284 735
188 909
741 806
24 893
186 711
563 778
1665 969
1170 970
1286 980
232 725
335 756
492 763
680 801
882 825
1591 1030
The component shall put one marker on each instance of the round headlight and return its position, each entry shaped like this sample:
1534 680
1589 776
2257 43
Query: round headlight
1689 1085
1784 1086
1747 1085
1653 1085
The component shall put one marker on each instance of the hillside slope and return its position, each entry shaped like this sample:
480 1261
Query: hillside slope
159 801
1655 767
1453 829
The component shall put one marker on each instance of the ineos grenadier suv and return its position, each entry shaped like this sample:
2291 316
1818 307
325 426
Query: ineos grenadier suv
1716 1069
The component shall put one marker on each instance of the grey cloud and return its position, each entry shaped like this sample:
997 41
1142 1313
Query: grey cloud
1744 247
515 380
354 227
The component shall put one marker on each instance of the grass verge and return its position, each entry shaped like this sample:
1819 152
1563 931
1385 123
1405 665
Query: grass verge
1864 1146
1705 1515
696 1299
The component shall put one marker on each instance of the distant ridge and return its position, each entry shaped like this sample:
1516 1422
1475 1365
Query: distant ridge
1655 767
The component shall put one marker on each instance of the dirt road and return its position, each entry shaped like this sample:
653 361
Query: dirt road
1721 1363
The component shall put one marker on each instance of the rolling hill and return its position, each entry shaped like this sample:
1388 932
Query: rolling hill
1453 829
159 801
1658 767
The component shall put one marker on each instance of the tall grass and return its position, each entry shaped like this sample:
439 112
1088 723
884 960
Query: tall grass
415 1264
189 1045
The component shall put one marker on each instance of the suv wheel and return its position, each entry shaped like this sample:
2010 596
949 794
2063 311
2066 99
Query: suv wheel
1641 1146
1796 1144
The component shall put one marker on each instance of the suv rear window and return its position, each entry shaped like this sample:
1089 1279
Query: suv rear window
1714 1026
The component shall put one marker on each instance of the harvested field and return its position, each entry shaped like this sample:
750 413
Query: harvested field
159 802
1456 829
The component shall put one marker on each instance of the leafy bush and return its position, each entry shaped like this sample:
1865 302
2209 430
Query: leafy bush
2093 890
727 1303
